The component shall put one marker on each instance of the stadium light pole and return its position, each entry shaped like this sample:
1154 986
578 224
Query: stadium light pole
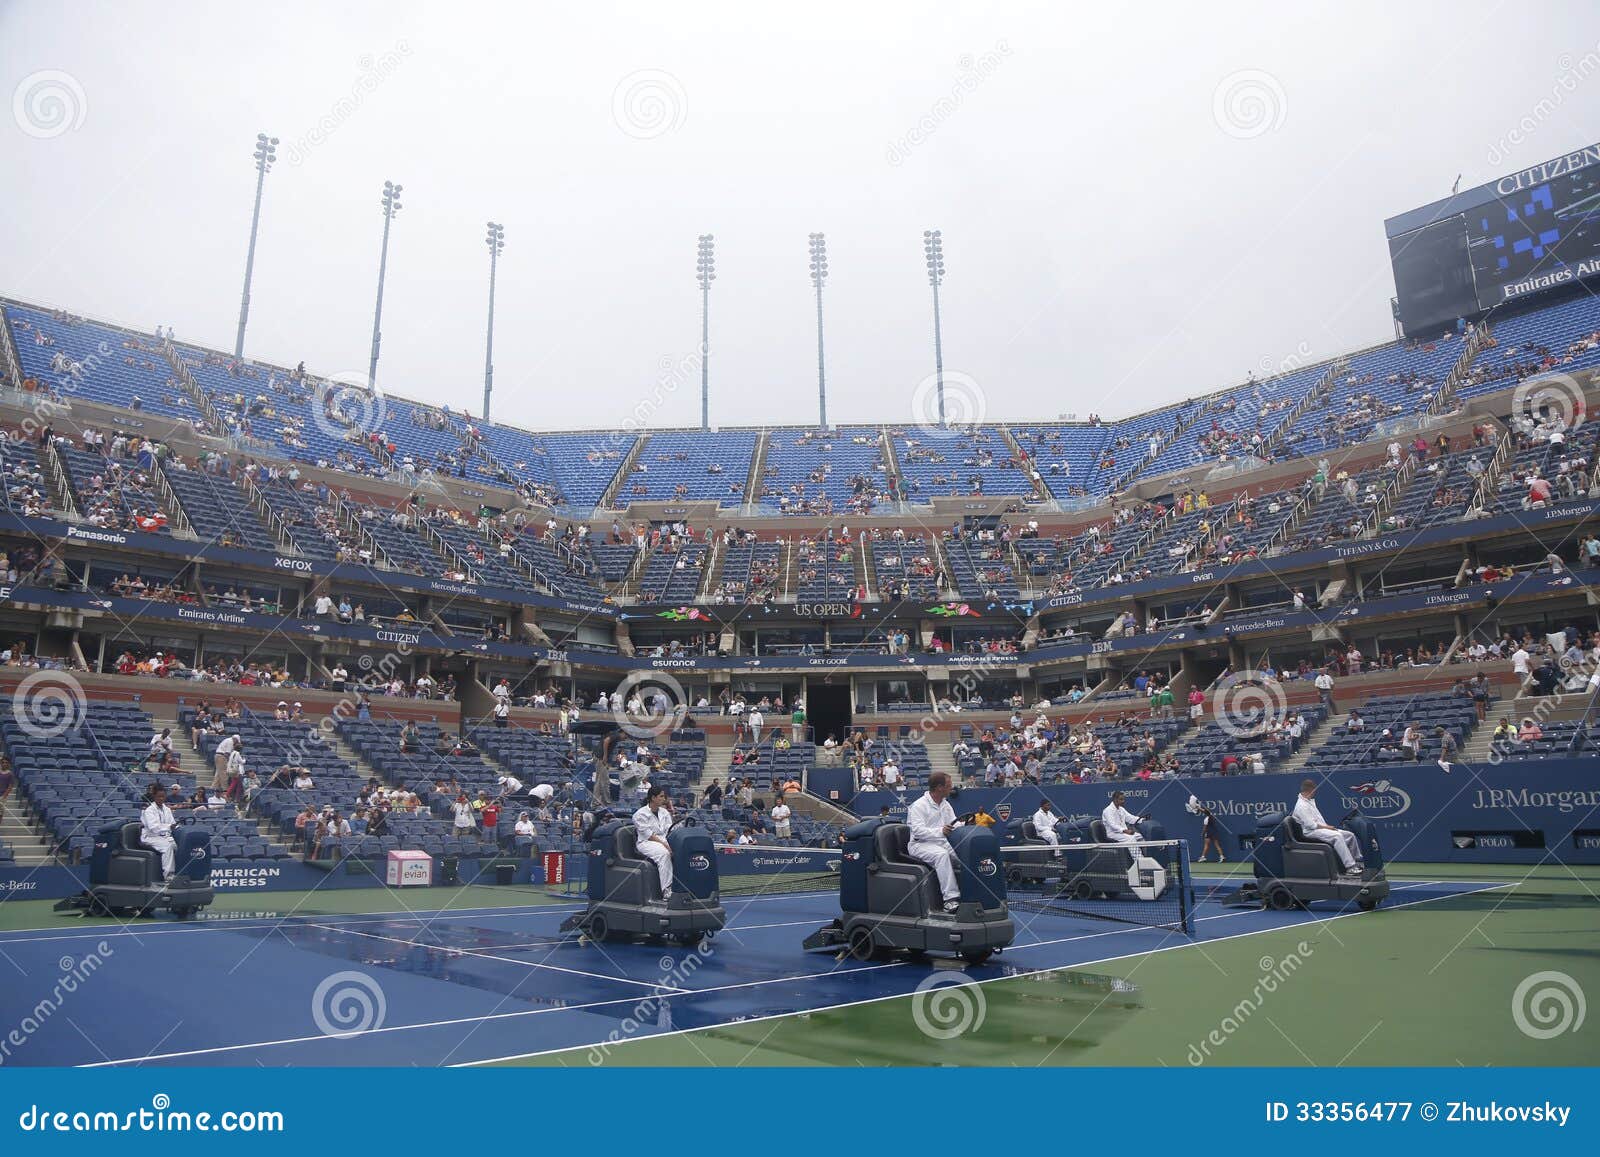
819 274
391 206
496 240
705 268
266 153
933 250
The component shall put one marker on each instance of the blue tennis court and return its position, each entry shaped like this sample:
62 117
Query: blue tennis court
469 986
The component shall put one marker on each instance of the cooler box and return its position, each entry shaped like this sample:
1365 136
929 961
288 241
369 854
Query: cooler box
409 868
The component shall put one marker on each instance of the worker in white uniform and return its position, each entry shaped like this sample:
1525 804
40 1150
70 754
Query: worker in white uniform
155 830
1120 823
652 822
1044 824
932 819
1314 827
780 820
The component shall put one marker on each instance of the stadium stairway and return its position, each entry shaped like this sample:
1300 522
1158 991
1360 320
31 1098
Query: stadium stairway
1540 707
941 759
22 832
1310 742
192 762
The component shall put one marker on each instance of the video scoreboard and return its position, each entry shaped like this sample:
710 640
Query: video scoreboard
1527 233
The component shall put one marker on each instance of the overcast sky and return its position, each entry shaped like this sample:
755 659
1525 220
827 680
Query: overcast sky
1138 203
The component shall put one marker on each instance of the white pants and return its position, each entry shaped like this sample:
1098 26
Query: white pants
1125 838
661 856
168 847
1345 843
782 829
941 858
1049 837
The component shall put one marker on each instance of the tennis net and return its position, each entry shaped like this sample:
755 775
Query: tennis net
1141 883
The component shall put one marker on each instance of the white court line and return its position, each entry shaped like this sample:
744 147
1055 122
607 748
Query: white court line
481 955
520 1013
400 916
1188 943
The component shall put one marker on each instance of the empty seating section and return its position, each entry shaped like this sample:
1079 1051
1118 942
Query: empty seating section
673 576
91 776
312 527
1069 458
1128 442
1567 468
905 568
936 464
689 465
78 358
571 470
218 510
113 492
267 403
1441 490
1429 712
425 436
1204 753
1396 380
562 571
1343 508
614 560
1562 338
27 491
820 472
980 569
750 572
825 570
399 540
483 557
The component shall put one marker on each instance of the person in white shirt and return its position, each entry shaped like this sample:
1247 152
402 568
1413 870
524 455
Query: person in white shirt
542 792
509 785
324 606
1044 823
502 712
932 819
220 759
524 825
891 775
155 830
160 748
652 822
1519 662
780 819
1120 823
757 723
1314 827
1325 685
502 691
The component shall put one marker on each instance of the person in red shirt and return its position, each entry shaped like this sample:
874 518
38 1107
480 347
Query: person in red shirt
491 817
1538 491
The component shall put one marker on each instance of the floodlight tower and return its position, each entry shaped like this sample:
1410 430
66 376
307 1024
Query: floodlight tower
933 250
819 275
496 240
391 206
705 269
266 153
